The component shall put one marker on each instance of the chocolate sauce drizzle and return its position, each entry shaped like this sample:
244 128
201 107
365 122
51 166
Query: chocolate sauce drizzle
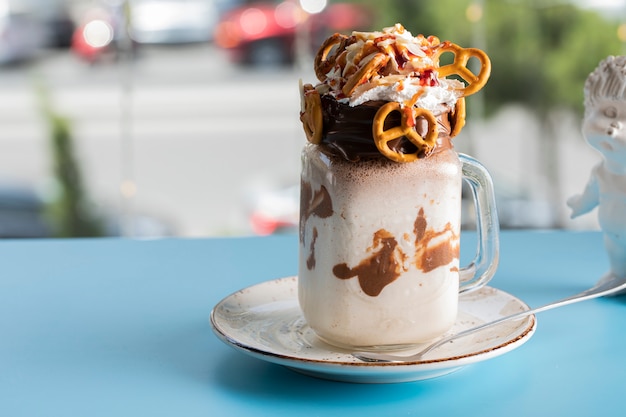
318 204
386 262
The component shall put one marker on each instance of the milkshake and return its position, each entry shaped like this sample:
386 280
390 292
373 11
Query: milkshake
380 205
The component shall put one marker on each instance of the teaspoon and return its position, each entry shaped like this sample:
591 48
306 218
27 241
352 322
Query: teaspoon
605 287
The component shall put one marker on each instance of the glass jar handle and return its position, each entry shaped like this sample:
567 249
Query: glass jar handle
485 263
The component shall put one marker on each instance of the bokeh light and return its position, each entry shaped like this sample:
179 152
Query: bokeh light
253 21
621 32
313 6
286 14
474 12
98 33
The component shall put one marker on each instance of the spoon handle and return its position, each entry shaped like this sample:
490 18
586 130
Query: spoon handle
599 290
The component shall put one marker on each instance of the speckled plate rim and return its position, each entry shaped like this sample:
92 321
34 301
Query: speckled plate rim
340 365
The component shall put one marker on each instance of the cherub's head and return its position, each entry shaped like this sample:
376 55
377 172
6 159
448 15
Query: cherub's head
605 109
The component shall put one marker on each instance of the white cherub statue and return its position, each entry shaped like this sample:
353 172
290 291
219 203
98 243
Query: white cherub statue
604 129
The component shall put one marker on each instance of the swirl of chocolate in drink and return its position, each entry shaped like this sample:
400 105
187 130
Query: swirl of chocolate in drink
347 130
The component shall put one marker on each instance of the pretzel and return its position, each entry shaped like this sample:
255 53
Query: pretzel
382 137
323 62
311 114
355 55
459 66
366 72
458 117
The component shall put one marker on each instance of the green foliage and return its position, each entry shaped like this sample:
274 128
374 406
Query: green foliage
69 212
583 46
541 51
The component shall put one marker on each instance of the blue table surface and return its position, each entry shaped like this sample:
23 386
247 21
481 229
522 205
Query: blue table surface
119 327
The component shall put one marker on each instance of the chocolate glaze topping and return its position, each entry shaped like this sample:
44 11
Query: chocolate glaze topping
348 130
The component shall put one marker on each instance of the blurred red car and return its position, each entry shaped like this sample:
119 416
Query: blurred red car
265 33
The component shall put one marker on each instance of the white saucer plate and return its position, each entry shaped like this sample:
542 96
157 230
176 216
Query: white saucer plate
265 321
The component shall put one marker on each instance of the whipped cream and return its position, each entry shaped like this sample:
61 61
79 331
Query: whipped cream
409 78
431 98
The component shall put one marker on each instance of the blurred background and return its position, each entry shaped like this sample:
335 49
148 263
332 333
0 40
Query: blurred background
147 118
